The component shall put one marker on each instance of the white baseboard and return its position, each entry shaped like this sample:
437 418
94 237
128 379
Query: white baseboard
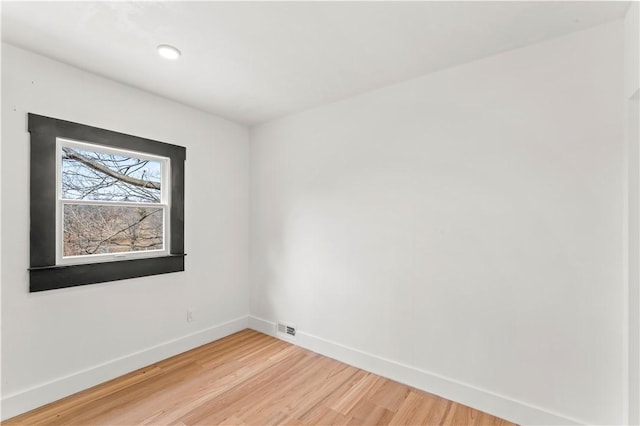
36 396
489 402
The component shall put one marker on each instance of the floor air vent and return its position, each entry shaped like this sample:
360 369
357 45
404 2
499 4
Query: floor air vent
286 329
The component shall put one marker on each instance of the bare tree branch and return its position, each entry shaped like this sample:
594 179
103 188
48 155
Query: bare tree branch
73 155
142 218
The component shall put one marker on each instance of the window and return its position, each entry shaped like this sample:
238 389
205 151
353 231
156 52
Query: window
104 205
112 204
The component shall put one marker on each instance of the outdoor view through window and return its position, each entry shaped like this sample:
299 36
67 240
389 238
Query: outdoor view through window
111 203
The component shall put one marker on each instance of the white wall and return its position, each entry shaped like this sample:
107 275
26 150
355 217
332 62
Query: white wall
631 49
631 95
57 342
464 227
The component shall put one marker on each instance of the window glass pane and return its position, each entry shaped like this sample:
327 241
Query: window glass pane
102 176
93 229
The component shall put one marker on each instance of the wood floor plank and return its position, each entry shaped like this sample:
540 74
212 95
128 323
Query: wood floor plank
326 416
289 394
241 397
371 414
328 385
408 412
353 396
249 378
390 395
206 397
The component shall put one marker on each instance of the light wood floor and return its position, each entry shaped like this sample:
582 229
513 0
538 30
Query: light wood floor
250 378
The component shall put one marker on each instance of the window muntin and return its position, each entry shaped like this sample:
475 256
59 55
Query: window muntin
112 204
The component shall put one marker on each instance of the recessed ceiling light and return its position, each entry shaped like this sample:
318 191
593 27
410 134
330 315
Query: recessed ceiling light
168 52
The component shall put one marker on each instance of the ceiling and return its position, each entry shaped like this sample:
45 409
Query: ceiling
254 61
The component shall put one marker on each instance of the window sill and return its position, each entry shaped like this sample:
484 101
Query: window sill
61 276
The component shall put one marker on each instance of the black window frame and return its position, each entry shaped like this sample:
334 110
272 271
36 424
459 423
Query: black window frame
44 274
